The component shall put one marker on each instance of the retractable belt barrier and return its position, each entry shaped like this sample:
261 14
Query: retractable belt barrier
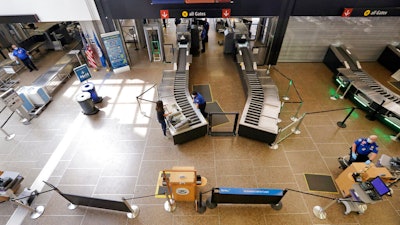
242 196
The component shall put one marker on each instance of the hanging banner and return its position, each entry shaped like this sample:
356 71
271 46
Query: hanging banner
115 50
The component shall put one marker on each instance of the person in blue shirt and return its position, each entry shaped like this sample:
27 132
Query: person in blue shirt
200 103
23 55
161 116
364 150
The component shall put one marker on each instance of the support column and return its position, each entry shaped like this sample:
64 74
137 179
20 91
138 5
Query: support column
286 10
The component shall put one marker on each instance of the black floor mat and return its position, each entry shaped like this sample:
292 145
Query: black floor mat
322 183
216 119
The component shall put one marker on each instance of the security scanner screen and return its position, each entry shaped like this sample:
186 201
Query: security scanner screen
380 186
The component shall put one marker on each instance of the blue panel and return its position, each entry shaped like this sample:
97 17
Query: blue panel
27 103
45 97
250 191
167 1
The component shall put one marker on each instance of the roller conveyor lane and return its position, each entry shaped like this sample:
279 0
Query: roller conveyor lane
181 60
373 96
188 124
247 59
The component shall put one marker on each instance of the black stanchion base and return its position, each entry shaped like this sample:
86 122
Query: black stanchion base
95 110
370 117
341 124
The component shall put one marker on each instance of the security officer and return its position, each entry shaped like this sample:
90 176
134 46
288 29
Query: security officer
200 103
23 55
364 150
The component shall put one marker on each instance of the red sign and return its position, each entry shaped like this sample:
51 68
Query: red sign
226 13
347 12
164 14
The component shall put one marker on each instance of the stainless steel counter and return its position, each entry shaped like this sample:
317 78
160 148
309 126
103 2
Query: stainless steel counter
186 122
260 115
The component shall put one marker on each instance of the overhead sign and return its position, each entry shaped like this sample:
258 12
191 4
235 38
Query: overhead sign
366 12
192 13
347 12
164 14
186 14
226 13
82 72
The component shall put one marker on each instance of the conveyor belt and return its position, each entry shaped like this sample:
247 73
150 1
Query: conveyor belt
180 86
248 63
374 87
181 60
349 60
257 99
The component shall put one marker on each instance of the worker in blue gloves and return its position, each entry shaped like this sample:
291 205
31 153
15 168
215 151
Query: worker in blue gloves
364 150
200 103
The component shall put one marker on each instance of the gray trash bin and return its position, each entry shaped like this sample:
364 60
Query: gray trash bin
86 103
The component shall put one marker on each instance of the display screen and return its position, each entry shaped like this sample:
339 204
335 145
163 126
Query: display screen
380 186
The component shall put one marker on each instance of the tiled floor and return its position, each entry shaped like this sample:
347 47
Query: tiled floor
120 151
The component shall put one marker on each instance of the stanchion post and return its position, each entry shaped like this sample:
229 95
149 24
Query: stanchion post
342 123
395 138
169 205
35 212
133 208
286 97
321 212
8 136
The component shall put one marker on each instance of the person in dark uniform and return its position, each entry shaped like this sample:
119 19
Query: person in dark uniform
161 116
23 55
364 150
203 37
206 27
200 103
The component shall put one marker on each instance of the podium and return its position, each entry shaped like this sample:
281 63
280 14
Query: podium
345 180
182 181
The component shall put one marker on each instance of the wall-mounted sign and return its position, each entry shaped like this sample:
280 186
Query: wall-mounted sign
115 51
82 72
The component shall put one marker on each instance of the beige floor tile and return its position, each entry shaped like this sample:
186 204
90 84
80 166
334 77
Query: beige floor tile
306 162
295 219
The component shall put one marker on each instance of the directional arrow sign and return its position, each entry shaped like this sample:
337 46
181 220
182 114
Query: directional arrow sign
347 12
164 14
226 13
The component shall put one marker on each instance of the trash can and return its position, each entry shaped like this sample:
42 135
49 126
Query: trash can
86 103
89 87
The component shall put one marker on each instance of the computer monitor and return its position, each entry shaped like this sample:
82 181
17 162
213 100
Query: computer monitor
380 186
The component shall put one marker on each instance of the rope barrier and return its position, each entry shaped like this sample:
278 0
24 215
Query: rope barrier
331 110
